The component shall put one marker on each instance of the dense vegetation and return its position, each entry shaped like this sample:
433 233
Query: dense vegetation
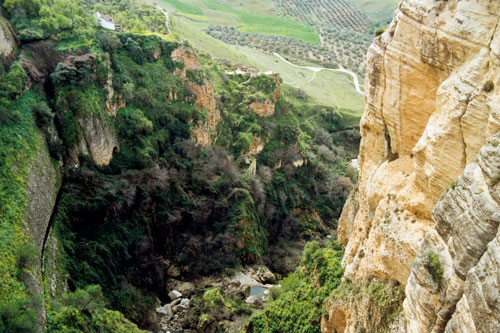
18 143
297 305
61 19
84 311
206 211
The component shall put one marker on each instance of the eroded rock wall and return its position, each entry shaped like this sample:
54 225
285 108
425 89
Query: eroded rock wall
466 241
204 92
266 108
42 186
8 45
432 99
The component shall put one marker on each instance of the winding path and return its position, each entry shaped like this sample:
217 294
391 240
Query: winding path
319 69
167 18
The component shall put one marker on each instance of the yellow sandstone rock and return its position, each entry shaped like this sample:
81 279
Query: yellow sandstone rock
432 99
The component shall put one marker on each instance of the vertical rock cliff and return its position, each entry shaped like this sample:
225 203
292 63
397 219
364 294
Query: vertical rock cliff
203 90
432 101
8 45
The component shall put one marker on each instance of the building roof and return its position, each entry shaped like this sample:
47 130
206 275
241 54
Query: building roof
104 17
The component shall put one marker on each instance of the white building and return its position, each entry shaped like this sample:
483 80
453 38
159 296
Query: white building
105 21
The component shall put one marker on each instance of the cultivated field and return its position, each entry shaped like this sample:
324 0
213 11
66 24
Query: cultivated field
214 13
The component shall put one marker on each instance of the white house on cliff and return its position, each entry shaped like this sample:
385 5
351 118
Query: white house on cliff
105 21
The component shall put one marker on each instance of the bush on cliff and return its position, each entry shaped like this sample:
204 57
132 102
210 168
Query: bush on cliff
298 307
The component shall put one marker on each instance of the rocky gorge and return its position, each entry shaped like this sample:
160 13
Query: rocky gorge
144 188
145 185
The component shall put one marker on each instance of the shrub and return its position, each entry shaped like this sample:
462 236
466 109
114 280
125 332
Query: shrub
488 86
275 292
79 72
135 51
56 149
84 310
109 41
19 315
43 115
434 267
243 142
212 298
28 35
309 250
133 123
70 129
11 86
27 255
89 299
286 134
380 31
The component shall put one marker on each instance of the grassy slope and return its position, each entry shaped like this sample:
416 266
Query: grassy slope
203 42
18 145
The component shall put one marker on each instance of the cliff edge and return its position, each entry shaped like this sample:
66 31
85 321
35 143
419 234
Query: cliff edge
432 100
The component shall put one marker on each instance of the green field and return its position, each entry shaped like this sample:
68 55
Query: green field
201 41
212 13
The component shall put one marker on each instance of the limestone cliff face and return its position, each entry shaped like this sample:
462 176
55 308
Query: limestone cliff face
8 45
42 185
99 138
432 100
466 241
204 92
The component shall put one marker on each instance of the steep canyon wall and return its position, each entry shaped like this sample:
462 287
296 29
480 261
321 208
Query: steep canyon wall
432 102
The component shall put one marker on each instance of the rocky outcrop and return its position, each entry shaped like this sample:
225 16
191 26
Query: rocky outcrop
266 108
95 130
8 45
465 240
432 100
99 138
44 181
204 92
114 102
42 186
350 303
186 56
205 100
39 59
